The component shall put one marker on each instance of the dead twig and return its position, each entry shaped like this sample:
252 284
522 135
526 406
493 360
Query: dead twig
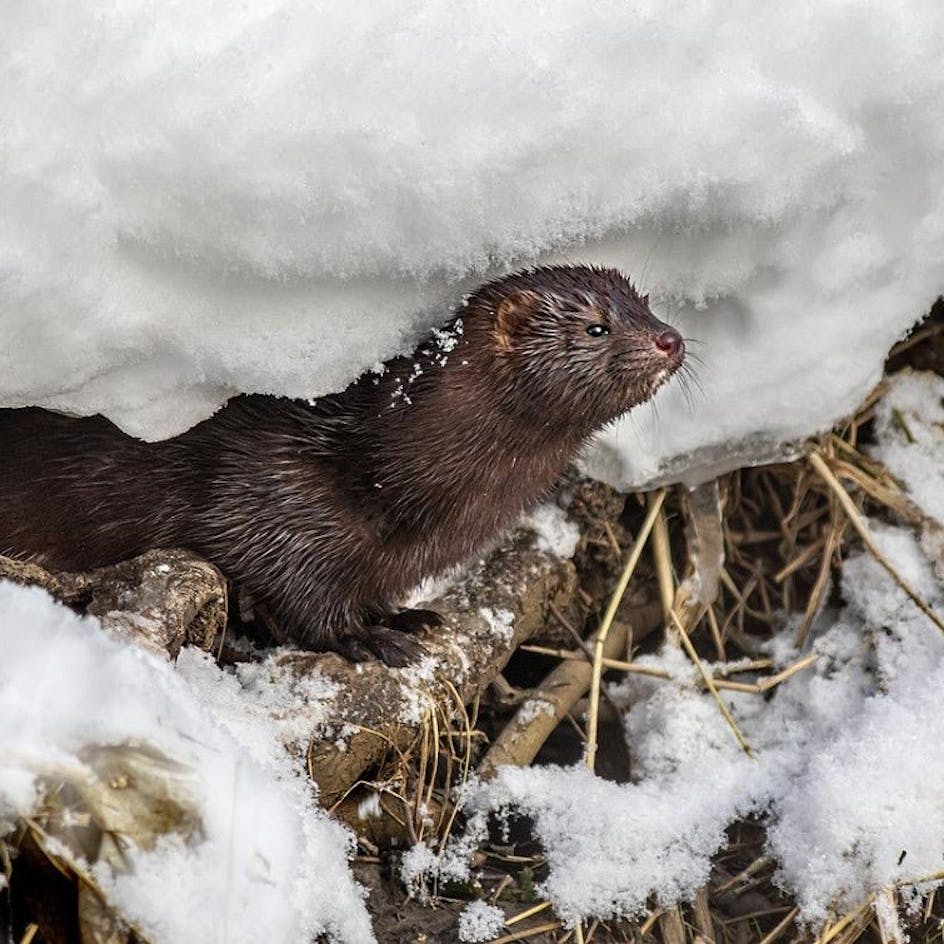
710 684
600 640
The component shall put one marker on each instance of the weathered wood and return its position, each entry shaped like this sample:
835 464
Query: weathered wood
163 599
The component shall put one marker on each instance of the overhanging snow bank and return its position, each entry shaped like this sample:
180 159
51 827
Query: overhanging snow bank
208 198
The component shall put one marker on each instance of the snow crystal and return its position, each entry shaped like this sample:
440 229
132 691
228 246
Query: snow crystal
532 708
500 621
265 705
447 339
268 864
418 862
274 197
480 921
418 679
556 533
421 865
909 426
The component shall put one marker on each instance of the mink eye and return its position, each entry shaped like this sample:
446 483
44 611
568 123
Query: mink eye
597 330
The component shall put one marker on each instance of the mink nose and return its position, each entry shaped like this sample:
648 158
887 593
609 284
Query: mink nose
670 343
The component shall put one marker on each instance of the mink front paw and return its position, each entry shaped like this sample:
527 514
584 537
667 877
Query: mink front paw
391 646
412 621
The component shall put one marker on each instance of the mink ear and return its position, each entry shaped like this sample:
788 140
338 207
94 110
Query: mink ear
512 310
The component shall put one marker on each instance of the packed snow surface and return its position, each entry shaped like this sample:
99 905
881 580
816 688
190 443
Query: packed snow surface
265 863
206 198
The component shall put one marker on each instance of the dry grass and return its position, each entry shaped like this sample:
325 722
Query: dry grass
606 623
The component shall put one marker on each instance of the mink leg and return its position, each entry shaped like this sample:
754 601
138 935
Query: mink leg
412 621
394 648
388 636
357 631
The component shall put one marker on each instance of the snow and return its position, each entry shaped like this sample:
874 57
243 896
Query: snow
264 861
841 775
910 427
416 863
500 621
555 532
205 198
480 921
532 708
869 773
416 702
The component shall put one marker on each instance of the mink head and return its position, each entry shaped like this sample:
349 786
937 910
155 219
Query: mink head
577 343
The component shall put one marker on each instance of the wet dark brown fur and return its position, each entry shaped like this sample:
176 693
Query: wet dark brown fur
328 512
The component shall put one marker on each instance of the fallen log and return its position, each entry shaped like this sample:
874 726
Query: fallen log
163 600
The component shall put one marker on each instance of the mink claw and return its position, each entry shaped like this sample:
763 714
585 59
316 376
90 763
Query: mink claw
354 648
394 648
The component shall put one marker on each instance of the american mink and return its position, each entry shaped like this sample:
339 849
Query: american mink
328 511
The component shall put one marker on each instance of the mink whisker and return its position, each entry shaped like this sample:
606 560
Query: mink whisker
687 372
684 386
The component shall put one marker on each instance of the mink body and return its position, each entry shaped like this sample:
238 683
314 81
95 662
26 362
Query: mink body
328 511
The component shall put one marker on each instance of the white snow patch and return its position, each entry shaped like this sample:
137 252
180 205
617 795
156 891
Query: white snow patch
500 621
531 709
266 706
269 863
418 680
480 921
418 862
273 197
422 865
556 533
909 424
